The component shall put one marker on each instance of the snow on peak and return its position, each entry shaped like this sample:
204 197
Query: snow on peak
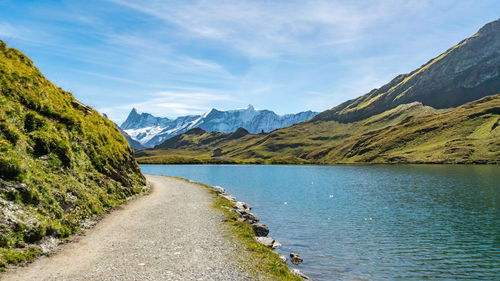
151 131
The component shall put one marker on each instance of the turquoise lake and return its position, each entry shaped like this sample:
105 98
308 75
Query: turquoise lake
380 222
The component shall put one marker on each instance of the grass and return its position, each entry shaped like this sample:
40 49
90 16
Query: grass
437 83
263 262
61 162
409 133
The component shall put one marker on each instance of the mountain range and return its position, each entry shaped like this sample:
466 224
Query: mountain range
151 131
446 111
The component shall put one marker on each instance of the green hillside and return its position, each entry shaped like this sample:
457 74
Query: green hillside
467 71
410 133
346 133
61 162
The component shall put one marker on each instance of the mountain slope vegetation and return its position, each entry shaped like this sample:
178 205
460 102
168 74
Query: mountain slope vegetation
61 162
410 133
467 71
355 131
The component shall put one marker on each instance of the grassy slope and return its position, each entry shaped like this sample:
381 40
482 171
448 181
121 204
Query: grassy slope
61 162
464 73
467 134
296 144
409 133
453 78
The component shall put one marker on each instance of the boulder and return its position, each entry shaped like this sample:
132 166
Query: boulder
229 197
266 241
219 189
261 230
276 244
242 207
237 212
296 259
250 218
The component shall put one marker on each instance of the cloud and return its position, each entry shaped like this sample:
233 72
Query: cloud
169 104
7 30
273 28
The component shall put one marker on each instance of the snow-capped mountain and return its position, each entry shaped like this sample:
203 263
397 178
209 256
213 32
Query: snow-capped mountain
150 130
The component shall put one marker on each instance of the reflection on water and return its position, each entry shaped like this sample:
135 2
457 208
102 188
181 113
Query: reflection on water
372 222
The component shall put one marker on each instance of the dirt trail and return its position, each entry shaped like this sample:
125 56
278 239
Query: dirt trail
170 234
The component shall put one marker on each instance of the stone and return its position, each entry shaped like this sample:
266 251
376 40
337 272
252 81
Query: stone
283 258
250 218
300 274
296 259
242 207
229 197
276 244
266 241
219 189
261 230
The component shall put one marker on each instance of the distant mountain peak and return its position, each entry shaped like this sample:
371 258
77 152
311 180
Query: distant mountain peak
151 131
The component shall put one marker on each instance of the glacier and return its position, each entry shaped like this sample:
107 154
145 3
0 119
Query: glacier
150 130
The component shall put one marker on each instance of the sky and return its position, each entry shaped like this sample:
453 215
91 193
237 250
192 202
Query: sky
175 58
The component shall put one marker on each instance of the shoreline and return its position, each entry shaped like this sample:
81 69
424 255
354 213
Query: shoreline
246 226
260 260
328 165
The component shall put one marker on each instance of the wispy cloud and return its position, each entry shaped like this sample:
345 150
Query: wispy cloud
174 58
7 30
169 104
270 28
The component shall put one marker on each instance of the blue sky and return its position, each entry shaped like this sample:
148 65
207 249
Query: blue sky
173 58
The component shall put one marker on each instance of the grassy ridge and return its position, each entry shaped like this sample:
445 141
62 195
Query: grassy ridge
467 134
61 162
466 72
409 133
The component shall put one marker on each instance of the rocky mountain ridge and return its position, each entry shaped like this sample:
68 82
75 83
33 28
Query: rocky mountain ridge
446 111
467 71
151 131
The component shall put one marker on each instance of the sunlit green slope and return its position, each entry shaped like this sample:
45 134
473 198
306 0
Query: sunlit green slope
410 133
467 71
61 162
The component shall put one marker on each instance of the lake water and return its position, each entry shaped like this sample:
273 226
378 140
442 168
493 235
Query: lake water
406 222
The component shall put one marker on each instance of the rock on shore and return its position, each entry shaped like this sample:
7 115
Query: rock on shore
242 210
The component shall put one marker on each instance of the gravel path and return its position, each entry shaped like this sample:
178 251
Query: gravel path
170 234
